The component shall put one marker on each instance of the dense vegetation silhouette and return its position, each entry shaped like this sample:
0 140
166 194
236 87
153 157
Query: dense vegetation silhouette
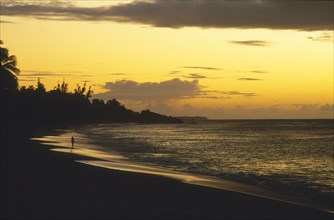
34 106
8 70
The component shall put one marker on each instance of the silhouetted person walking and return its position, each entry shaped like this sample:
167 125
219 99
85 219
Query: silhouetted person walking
72 140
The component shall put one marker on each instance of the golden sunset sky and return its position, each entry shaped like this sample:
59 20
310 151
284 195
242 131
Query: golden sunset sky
220 59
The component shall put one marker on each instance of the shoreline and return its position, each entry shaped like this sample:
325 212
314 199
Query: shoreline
114 161
41 184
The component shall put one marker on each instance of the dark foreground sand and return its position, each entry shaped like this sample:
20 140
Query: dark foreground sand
39 184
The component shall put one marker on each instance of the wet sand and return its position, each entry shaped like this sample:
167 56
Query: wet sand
42 184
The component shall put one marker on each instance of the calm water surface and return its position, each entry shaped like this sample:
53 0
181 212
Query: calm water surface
295 157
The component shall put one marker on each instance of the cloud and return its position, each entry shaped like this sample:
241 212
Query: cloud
252 71
163 91
194 76
237 93
6 22
201 67
183 74
297 15
327 107
38 73
259 43
148 91
257 71
227 94
326 37
244 111
249 79
191 75
306 107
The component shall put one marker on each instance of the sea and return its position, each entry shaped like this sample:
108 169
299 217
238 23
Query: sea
290 157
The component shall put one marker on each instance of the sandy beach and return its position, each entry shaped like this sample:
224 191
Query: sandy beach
37 183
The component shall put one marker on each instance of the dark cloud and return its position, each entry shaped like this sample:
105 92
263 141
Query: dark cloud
201 67
297 15
249 79
163 91
150 91
259 43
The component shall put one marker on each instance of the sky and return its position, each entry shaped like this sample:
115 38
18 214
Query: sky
214 58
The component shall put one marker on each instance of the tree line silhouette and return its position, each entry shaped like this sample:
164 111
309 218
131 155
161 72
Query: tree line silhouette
34 106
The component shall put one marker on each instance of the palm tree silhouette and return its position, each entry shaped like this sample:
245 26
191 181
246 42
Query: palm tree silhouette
8 71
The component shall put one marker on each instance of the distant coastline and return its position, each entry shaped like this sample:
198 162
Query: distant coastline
192 118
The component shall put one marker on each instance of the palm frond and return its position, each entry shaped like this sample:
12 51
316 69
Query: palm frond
12 60
9 61
3 53
12 68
